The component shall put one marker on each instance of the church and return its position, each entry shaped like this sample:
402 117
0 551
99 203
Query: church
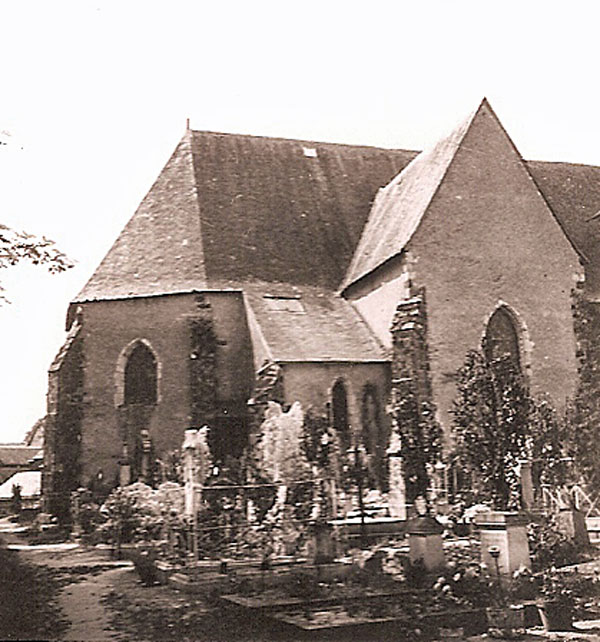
265 268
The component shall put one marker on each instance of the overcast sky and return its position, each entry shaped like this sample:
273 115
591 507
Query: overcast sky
94 97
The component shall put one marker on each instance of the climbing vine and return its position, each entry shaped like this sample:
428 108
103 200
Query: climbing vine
203 370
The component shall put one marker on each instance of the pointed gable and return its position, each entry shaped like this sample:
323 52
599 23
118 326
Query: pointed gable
400 207
231 208
160 248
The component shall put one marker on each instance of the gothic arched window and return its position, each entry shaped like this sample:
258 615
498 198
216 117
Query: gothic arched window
339 410
502 338
140 376
373 435
371 421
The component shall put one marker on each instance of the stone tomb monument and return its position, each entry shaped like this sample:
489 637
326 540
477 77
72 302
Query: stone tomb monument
425 539
506 533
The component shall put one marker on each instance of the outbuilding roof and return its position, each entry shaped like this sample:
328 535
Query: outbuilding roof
300 324
30 482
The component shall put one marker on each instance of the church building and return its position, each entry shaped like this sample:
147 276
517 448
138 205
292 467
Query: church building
265 268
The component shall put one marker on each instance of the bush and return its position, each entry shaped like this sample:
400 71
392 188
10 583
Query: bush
549 547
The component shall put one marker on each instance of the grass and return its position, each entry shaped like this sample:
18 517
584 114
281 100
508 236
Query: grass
28 608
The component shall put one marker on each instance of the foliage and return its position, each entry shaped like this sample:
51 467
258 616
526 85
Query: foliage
547 441
17 247
490 423
29 609
583 412
559 588
421 438
317 440
171 467
138 513
549 547
16 501
203 369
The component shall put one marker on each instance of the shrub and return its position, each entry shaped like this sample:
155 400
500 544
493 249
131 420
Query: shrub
549 547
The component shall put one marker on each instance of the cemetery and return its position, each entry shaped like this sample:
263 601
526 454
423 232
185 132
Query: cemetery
294 540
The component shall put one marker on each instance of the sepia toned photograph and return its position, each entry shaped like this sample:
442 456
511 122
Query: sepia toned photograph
299 321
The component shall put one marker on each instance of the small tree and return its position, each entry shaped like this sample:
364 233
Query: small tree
421 438
490 424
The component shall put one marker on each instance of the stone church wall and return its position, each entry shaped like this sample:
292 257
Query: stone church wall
164 322
489 238
312 383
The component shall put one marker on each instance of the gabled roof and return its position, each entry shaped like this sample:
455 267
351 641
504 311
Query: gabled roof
569 190
17 454
30 482
310 324
227 208
573 193
400 205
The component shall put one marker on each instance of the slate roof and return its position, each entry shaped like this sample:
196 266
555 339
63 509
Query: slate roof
311 324
573 193
400 205
228 208
17 454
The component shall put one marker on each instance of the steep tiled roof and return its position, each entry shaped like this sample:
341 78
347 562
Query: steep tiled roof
160 248
230 207
310 324
400 205
573 193
16 454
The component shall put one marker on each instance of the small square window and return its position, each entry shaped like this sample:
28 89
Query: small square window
284 304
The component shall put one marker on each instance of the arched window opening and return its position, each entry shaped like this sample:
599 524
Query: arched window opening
140 377
339 408
371 420
501 338
373 436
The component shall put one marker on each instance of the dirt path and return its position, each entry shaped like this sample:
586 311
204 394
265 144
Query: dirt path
86 580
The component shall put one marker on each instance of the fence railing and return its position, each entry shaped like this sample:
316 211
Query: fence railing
575 496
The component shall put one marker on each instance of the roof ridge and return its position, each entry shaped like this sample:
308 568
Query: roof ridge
302 140
189 137
410 173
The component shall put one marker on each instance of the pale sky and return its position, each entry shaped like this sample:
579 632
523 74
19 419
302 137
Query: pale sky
95 95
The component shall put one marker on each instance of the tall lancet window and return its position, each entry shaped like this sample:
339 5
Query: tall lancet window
140 377
339 410
502 338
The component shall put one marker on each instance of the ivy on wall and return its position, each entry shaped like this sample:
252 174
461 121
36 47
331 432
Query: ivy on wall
583 412
62 458
203 365
411 408
491 426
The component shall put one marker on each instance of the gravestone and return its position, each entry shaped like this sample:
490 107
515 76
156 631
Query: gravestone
425 542
570 521
527 494
507 533
321 544
196 466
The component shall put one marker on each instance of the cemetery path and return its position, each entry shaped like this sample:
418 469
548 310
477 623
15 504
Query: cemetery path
84 580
